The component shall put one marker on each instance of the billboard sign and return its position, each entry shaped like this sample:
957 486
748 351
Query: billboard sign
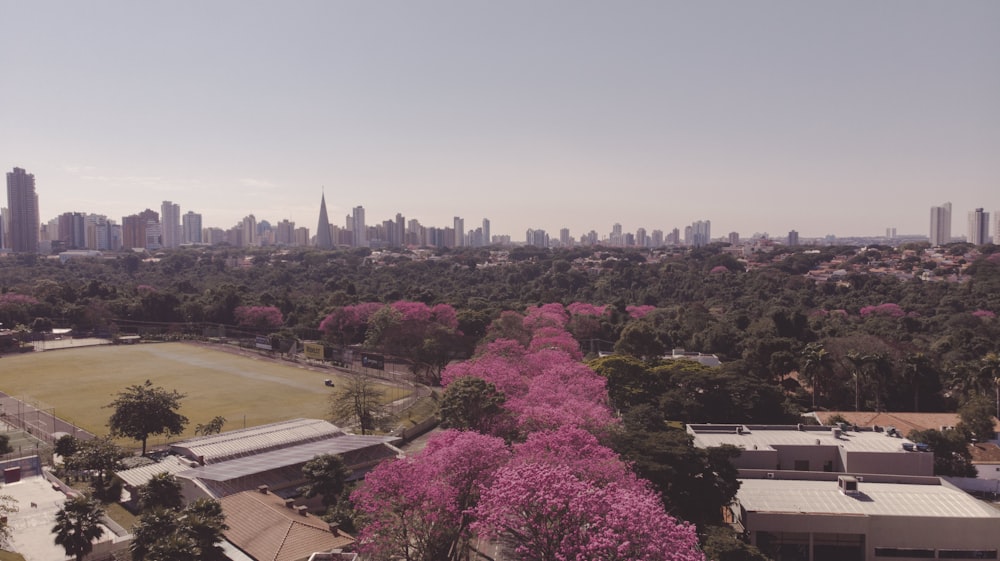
263 342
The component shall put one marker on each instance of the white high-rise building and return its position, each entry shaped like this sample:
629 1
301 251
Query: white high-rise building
979 227
170 225
996 227
940 225
358 227
701 233
459 227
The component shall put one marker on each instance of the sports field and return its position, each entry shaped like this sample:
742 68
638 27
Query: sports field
78 383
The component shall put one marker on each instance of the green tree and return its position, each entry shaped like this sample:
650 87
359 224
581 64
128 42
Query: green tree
951 452
5 447
816 365
720 543
471 403
78 524
66 446
100 456
977 423
212 427
192 533
144 410
325 476
989 367
161 491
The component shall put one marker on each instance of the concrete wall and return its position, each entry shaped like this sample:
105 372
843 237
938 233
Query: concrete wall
901 463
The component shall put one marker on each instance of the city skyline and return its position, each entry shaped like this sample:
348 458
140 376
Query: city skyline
844 119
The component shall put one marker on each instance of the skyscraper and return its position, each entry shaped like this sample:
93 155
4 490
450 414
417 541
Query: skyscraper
324 240
979 227
170 225
22 202
459 227
191 227
940 225
358 225
701 233
793 238
487 240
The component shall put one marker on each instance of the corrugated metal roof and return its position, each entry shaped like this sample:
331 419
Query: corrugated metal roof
285 457
254 440
141 475
875 499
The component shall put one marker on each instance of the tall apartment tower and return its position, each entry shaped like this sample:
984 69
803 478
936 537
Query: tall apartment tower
793 238
459 227
324 239
701 233
979 227
22 202
996 227
359 228
191 227
940 225
170 225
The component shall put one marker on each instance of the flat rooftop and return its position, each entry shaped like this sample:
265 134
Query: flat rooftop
756 437
874 499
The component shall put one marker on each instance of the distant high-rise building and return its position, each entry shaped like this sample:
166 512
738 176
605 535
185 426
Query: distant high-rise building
487 240
139 230
324 238
564 238
22 202
701 233
979 227
459 227
248 229
793 238
656 239
641 240
358 227
191 227
734 238
890 233
940 225
170 225
996 227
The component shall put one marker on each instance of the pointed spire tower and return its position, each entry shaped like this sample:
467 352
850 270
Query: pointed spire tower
323 238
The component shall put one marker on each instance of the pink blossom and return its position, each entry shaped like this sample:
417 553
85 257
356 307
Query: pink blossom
984 314
145 289
577 450
14 299
888 309
639 312
445 315
412 311
546 315
548 513
555 338
262 317
719 269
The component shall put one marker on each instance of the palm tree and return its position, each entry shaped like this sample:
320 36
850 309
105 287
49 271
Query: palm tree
857 361
916 367
989 368
78 524
815 360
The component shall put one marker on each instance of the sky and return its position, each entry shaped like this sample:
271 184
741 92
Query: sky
840 118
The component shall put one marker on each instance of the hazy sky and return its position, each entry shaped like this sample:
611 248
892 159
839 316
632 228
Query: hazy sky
825 117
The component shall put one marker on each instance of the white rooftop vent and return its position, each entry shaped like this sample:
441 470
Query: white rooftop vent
848 485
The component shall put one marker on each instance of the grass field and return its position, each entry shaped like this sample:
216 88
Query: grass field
79 382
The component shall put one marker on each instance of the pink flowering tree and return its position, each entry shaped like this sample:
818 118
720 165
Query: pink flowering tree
428 337
885 310
550 514
347 324
419 508
639 312
585 322
555 338
259 317
17 309
546 315
578 450
985 314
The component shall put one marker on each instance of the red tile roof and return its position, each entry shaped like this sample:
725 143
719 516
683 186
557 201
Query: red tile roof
265 529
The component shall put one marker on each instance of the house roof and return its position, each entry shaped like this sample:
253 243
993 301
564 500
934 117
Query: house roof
141 475
254 440
875 499
265 529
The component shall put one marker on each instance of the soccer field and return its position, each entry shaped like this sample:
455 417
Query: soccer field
78 383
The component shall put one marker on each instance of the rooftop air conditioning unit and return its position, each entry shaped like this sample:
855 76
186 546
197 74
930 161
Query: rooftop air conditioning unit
769 475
